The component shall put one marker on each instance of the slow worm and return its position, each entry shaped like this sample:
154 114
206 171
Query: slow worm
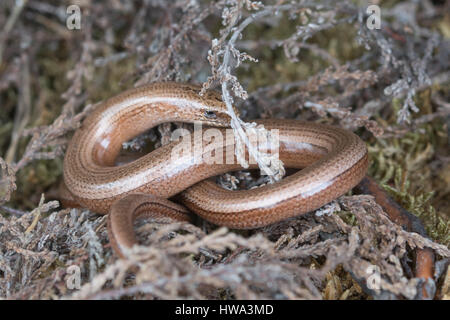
333 161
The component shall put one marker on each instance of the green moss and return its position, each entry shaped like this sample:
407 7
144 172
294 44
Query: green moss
402 166
274 67
419 203
348 218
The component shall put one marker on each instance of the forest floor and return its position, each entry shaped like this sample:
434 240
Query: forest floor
317 61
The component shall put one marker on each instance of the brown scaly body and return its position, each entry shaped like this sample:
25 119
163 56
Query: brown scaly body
333 160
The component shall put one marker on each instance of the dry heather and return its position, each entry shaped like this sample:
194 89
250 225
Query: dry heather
313 60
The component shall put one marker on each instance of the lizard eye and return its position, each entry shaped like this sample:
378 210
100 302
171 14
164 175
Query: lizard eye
210 114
